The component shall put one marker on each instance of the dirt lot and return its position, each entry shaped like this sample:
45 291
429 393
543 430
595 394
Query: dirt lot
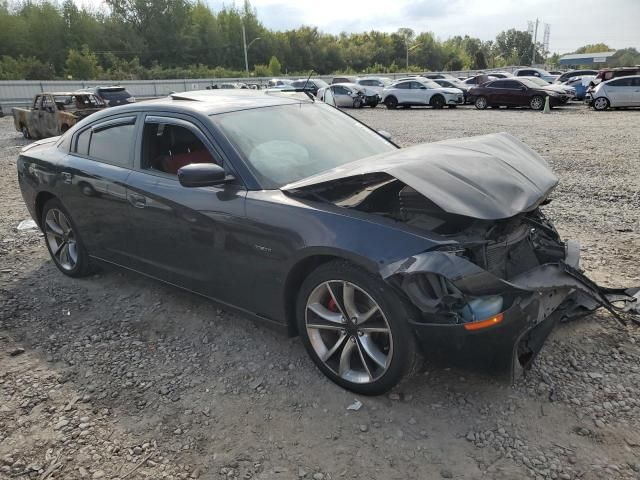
123 377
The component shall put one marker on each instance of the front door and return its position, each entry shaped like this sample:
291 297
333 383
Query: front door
341 96
48 117
184 236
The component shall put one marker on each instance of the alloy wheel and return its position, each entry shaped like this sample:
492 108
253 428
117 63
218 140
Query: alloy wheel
600 103
481 103
537 103
348 331
61 239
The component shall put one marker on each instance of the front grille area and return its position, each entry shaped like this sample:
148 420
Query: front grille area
512 256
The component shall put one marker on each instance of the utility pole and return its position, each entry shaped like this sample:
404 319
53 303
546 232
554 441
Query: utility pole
244 43
246 47
533 45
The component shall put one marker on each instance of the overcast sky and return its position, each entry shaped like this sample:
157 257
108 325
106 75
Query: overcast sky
573 22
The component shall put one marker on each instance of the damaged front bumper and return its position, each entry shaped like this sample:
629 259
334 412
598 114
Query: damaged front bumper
537 300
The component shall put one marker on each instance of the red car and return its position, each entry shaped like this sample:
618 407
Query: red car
513 92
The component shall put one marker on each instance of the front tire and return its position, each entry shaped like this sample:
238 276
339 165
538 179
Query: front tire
481 103
25 132
536 102
437 101
601 103
355 328
391 102
63 240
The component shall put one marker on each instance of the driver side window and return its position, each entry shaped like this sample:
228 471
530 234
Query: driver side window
167 147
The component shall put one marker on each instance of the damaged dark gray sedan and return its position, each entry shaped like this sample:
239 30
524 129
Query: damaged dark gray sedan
292 212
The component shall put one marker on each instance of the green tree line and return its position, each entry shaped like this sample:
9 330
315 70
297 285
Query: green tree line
141 39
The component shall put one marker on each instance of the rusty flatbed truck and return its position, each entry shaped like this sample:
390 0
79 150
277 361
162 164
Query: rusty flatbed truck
54 113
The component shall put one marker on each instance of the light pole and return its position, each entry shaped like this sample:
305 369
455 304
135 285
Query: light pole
409 50
246 47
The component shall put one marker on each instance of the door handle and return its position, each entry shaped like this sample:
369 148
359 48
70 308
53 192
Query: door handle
67 177
138 201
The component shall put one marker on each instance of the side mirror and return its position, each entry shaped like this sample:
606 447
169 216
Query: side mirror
202 175
384 134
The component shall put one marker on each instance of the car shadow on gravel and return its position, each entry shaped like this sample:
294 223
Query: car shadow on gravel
177 369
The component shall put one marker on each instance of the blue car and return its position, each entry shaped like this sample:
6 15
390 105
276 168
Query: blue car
581 84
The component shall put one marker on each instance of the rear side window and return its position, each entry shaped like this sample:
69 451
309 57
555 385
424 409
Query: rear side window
110 142
511 84
623 82
497 84
404 85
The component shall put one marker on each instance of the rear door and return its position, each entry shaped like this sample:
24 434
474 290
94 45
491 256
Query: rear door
403 92
619 91
512 93
184 236
494 92
93 182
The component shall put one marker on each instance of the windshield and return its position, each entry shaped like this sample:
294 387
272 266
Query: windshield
529 83
538 81
286 143
429 83
115 95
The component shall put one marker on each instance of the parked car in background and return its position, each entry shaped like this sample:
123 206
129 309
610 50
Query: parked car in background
455 83
618 92
566 76
580 84
478 79
611 73
565 90
535 72
501 74
51 114
438 76
421 92
311 85
512 92
112 96
278 82
344 79
374 84
349 95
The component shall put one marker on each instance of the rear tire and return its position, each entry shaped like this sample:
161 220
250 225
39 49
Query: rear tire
481 103
391 102
25 132
600 103
369 353
63 240
437 101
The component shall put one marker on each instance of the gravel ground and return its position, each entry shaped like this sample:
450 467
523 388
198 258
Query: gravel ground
117 376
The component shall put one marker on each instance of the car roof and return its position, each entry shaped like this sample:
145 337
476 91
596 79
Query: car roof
76 92
620 78
213 102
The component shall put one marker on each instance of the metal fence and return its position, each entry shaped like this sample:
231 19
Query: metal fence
15 93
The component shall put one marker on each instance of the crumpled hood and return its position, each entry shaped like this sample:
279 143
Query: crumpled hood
487 177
